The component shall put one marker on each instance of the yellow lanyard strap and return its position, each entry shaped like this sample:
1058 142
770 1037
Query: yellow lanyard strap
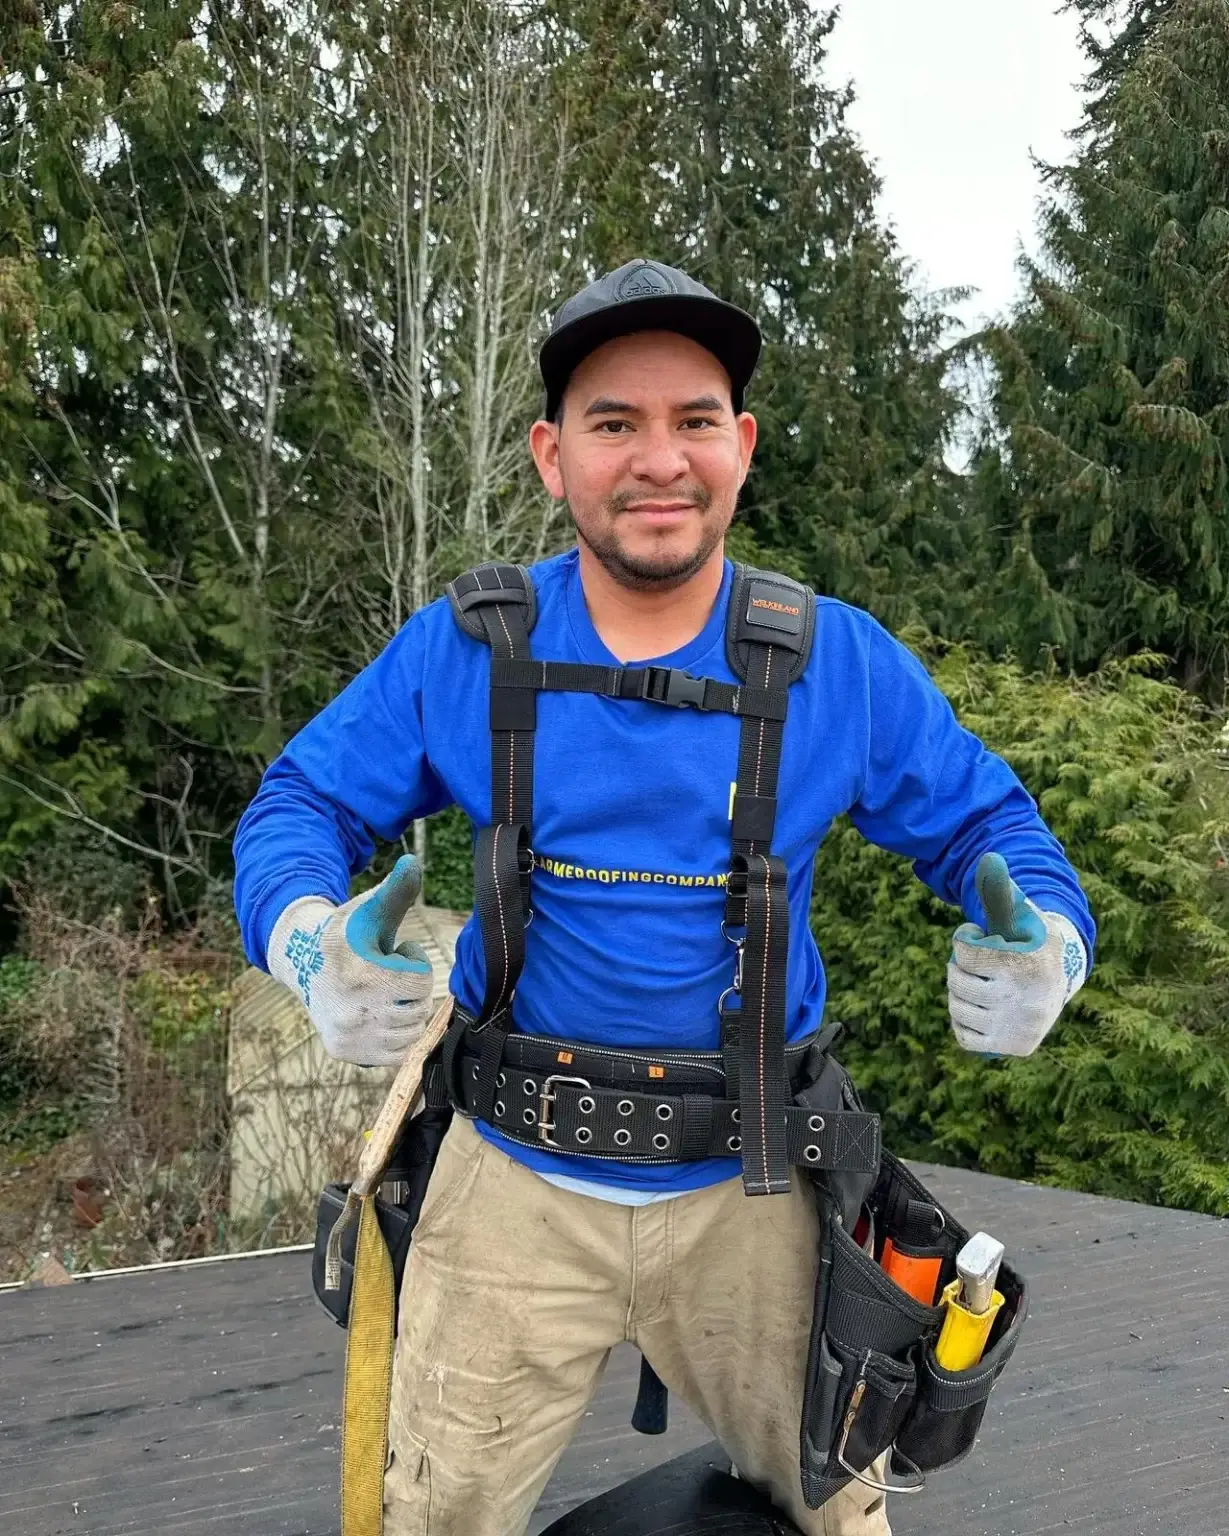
369 1373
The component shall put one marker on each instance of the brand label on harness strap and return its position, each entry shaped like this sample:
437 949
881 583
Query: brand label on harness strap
768 608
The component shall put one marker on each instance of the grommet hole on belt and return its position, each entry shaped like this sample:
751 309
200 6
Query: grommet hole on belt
625 1107
583 1134
529 1087
586 1105
500 1109
622 1136
811 1153
665 1112
502 1080
529 1116
735 1143
661 1141
736 1115
815 1123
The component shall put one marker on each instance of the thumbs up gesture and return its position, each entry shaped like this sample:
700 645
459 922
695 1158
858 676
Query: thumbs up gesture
368 996
1007 985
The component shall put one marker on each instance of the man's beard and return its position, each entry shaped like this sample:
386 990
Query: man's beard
650 575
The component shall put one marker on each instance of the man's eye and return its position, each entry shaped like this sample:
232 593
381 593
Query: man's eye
698 421
603 425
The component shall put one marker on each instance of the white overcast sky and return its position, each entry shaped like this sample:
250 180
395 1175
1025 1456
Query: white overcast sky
953 98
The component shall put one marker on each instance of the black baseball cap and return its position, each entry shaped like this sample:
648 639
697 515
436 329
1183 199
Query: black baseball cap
647 296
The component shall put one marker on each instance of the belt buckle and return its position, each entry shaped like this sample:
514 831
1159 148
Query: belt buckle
545 1124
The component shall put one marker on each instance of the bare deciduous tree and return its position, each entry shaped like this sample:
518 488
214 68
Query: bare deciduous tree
460 190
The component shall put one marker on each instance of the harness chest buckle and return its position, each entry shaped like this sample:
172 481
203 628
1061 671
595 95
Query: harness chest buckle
546 1098
669 685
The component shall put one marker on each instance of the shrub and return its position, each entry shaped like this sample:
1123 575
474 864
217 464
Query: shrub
1129 1094
120 1036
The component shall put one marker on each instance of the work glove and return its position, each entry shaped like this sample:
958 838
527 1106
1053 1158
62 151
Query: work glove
1007 985
368 996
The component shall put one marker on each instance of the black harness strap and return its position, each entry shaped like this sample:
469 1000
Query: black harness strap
497 605
768 641
655 685
769 635
763 1087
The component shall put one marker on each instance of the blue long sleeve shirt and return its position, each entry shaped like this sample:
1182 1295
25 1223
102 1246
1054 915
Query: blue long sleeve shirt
631 829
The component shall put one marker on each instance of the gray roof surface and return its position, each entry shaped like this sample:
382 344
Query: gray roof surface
205 1400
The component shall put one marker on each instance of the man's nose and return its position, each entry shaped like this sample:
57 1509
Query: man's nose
659 456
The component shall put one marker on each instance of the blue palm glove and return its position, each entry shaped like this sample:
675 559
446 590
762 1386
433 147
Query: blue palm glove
368 996
1009 983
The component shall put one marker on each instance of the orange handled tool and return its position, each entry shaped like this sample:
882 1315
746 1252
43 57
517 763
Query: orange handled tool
914 1255
914 1270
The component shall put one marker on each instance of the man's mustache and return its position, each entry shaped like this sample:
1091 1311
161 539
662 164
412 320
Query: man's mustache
622 501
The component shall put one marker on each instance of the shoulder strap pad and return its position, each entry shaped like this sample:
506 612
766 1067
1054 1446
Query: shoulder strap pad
488 584
768 609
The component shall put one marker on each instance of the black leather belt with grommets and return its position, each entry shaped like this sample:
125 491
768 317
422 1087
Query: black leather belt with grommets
633 1106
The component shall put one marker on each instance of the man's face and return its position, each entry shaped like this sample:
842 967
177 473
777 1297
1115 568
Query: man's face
649 457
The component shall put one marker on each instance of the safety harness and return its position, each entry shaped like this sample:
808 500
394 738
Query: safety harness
648 1106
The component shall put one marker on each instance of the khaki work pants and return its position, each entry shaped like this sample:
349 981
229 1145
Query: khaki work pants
514 1293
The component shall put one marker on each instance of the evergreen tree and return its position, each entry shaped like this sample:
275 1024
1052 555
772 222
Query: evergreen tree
1105 474
1113 33
710 140
157 441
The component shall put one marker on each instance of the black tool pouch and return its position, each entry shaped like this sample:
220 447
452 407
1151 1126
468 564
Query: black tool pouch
397 1205
873 1383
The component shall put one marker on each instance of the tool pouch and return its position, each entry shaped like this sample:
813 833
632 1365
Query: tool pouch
397 1205
873 1383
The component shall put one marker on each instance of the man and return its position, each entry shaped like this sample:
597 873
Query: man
528 1265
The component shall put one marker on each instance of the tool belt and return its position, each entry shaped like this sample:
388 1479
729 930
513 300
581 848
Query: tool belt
635 1106
873 1383
590 1109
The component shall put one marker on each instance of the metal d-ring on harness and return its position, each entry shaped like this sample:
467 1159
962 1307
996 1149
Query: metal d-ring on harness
633 1105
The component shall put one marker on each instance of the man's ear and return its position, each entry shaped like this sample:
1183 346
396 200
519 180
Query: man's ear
544 445
748 430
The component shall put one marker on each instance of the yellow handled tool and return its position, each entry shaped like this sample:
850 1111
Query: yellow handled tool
972 1303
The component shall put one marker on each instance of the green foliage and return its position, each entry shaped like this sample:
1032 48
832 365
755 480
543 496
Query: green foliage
18 1068
1128 1095
162 397
36 1106
712 141
1103 485
179 1010
449 876
1114 31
